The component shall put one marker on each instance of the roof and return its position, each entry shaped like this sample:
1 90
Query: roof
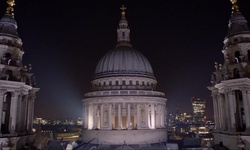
8 25
123 60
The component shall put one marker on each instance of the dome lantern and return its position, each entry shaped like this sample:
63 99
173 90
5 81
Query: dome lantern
123 31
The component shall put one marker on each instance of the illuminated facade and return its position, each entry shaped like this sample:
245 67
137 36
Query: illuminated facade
17 90
124 108
199 106
231 85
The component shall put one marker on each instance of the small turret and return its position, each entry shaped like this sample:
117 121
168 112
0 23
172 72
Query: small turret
123 31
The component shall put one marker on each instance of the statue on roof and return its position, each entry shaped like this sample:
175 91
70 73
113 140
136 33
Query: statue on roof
235 6
10 8
123 10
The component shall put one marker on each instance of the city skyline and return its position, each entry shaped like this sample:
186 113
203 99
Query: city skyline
64 42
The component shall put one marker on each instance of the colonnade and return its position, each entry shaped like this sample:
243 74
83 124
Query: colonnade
16 112
123 115
229 106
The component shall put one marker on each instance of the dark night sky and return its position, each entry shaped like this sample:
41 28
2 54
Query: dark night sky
64 40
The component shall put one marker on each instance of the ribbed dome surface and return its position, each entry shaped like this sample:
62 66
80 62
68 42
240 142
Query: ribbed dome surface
123 60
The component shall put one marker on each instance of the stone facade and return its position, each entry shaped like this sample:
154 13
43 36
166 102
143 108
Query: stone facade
17 90
124 107
231 85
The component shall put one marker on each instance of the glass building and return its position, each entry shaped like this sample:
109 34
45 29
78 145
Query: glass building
199 106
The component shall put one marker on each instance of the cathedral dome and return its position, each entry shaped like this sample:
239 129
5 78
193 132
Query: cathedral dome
124 61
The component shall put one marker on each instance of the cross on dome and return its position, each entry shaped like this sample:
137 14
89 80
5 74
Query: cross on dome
123 8
235 7
10 8
123 32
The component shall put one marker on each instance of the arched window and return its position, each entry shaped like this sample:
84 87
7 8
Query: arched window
222 77
6 113
6 58
239 115
9 75
248 55
236 73
237 57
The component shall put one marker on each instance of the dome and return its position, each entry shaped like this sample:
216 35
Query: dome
8 25
237 25
124 61
7 18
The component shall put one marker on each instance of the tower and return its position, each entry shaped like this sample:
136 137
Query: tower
17 90
199 106
123 108
231 84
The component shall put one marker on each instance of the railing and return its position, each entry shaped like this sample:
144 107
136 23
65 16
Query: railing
124 92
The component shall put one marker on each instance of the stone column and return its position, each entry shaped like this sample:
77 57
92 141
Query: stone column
30 120
128 117
228 113
1 106
83 115
110 116
138 116
94 116
32 112
23 112
161 116
101 117
220 106
87 115
245 95
248 107
164 115
146 114
231 99
224 114
153 116
29 114
19 114
119 117
13 112
157 114
216 113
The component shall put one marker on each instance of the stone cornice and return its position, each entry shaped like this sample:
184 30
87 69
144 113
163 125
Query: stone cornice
126 99
125 92
233 84
12 86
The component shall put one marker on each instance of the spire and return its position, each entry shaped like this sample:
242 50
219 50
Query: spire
123 31
235 7
10 8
